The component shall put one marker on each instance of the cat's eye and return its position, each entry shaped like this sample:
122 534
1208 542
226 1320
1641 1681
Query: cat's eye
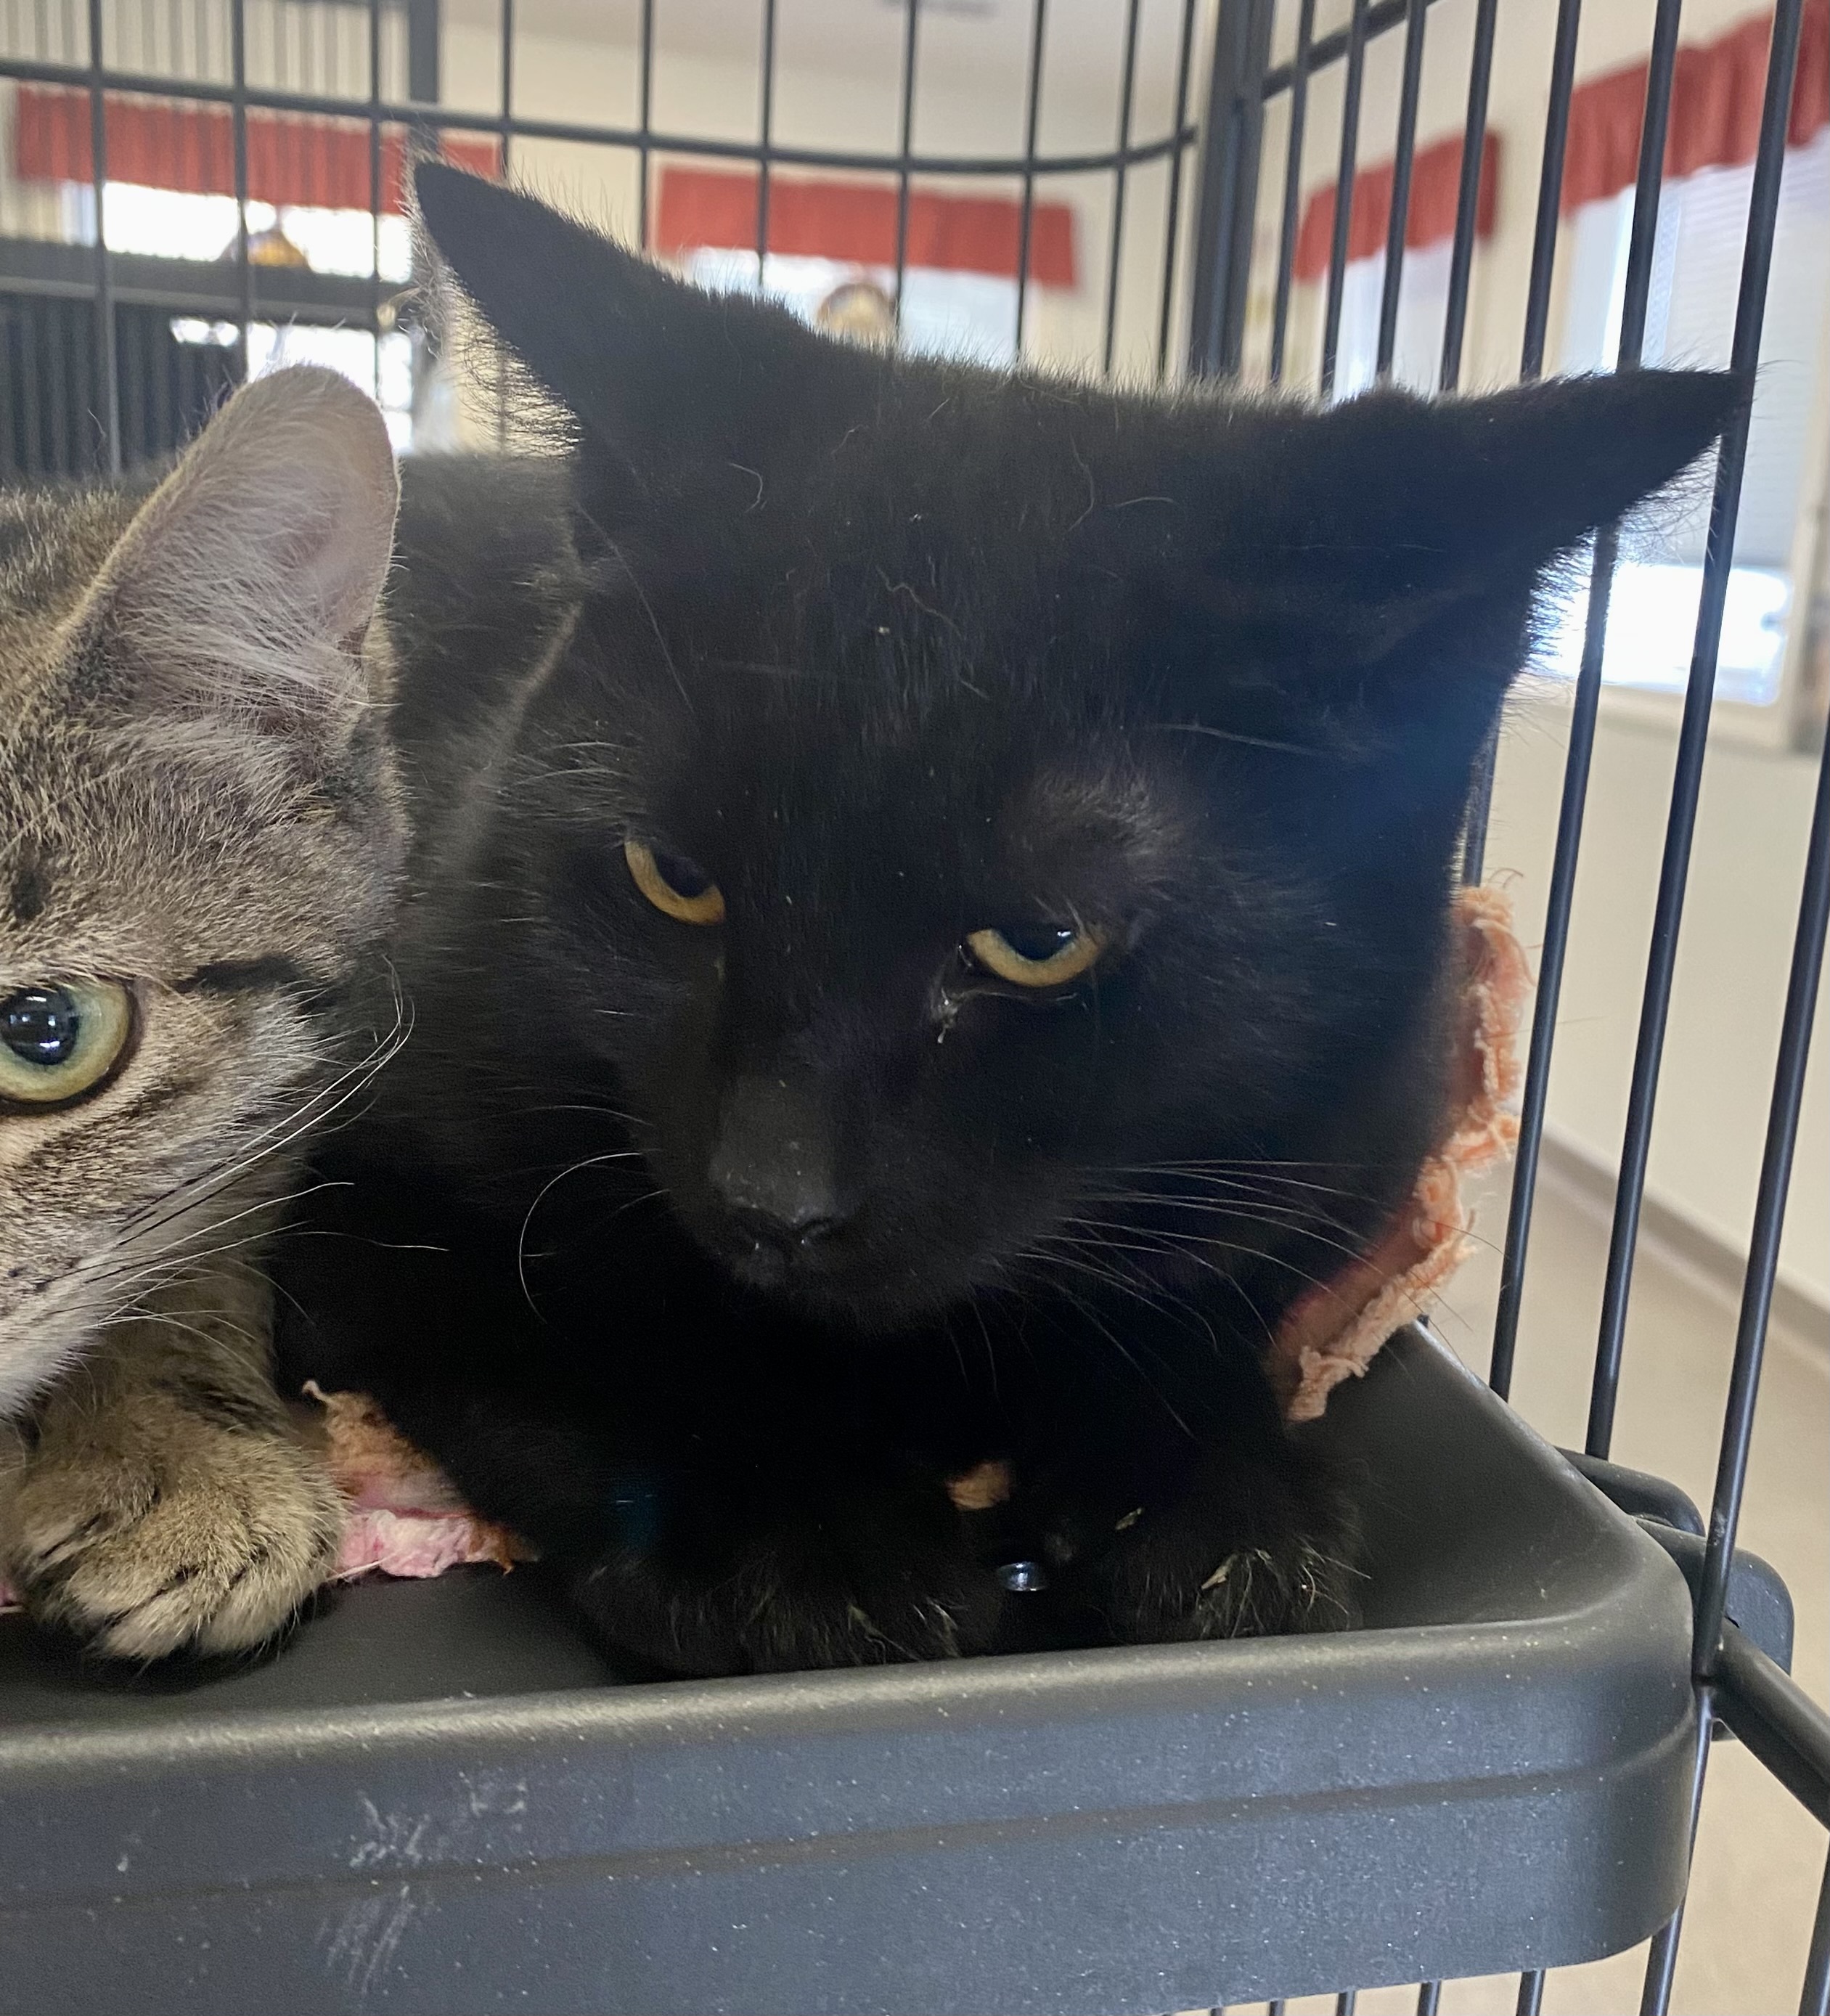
61 1041
1036 955
677 886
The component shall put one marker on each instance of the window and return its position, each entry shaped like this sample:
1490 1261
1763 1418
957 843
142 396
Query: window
1430 219
381 366
944 314
177 224
180 224
832 255
1423 315
1695 281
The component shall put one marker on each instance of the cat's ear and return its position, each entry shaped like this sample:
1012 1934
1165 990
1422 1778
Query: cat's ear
1369 521
665 377
230 619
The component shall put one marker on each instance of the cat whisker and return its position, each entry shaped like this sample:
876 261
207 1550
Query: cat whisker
1301 1219
1228 735
572 1169
1198 1240
277 1135
180 1255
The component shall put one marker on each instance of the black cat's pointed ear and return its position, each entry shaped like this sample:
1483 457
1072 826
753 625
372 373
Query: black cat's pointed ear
656 370
1373 518
1519 476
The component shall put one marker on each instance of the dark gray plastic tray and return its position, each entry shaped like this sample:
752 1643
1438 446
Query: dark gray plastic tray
439 1800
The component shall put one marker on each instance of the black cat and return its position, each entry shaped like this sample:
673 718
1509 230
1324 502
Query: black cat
930 933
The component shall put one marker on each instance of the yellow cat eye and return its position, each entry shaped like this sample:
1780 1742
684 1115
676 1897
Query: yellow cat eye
1045 957
60 1041
676 887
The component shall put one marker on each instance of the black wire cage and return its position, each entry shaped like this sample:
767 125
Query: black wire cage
1196 217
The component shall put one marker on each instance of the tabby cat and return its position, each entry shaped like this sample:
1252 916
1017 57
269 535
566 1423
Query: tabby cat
199 832
929 931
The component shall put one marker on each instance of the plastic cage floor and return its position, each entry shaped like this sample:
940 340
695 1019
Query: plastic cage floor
439 1800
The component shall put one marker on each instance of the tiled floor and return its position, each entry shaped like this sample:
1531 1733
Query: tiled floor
1758 1857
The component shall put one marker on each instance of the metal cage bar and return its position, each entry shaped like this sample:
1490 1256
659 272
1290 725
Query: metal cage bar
1584 717
1449 374
1292 206
644 113
1172 222
1550 189
1687 785
238 22
766 125
107 363
375 166
1330 49
1537 310
1815 2000
589 133
506 93
1337 257
1229 188
1763 1266
1127 93
1032 116
1416 18
1777 1720
911 32
1467 196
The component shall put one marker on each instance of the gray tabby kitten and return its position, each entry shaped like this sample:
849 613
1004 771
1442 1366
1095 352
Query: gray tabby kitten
200 830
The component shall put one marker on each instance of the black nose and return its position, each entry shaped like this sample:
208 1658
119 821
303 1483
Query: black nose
774 1164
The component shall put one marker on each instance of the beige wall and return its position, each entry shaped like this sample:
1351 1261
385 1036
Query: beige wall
1731 968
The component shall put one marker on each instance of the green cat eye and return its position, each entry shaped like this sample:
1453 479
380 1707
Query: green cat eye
678 887
61 1040
1037 956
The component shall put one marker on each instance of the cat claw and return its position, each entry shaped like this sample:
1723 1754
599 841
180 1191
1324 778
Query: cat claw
206 1541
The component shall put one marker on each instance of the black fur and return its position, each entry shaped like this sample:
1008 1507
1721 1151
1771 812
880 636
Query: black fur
897 651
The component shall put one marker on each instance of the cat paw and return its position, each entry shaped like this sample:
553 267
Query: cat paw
1268 1591
1252 1592
187 1534
1186 1580
884 1581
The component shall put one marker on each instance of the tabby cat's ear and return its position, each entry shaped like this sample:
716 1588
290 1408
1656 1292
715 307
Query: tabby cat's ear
668 378
230 617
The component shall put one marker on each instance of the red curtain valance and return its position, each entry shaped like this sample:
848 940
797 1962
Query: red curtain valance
856 222
311 163
1716 91
1436 184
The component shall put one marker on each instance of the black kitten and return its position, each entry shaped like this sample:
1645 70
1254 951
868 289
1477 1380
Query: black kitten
931 932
